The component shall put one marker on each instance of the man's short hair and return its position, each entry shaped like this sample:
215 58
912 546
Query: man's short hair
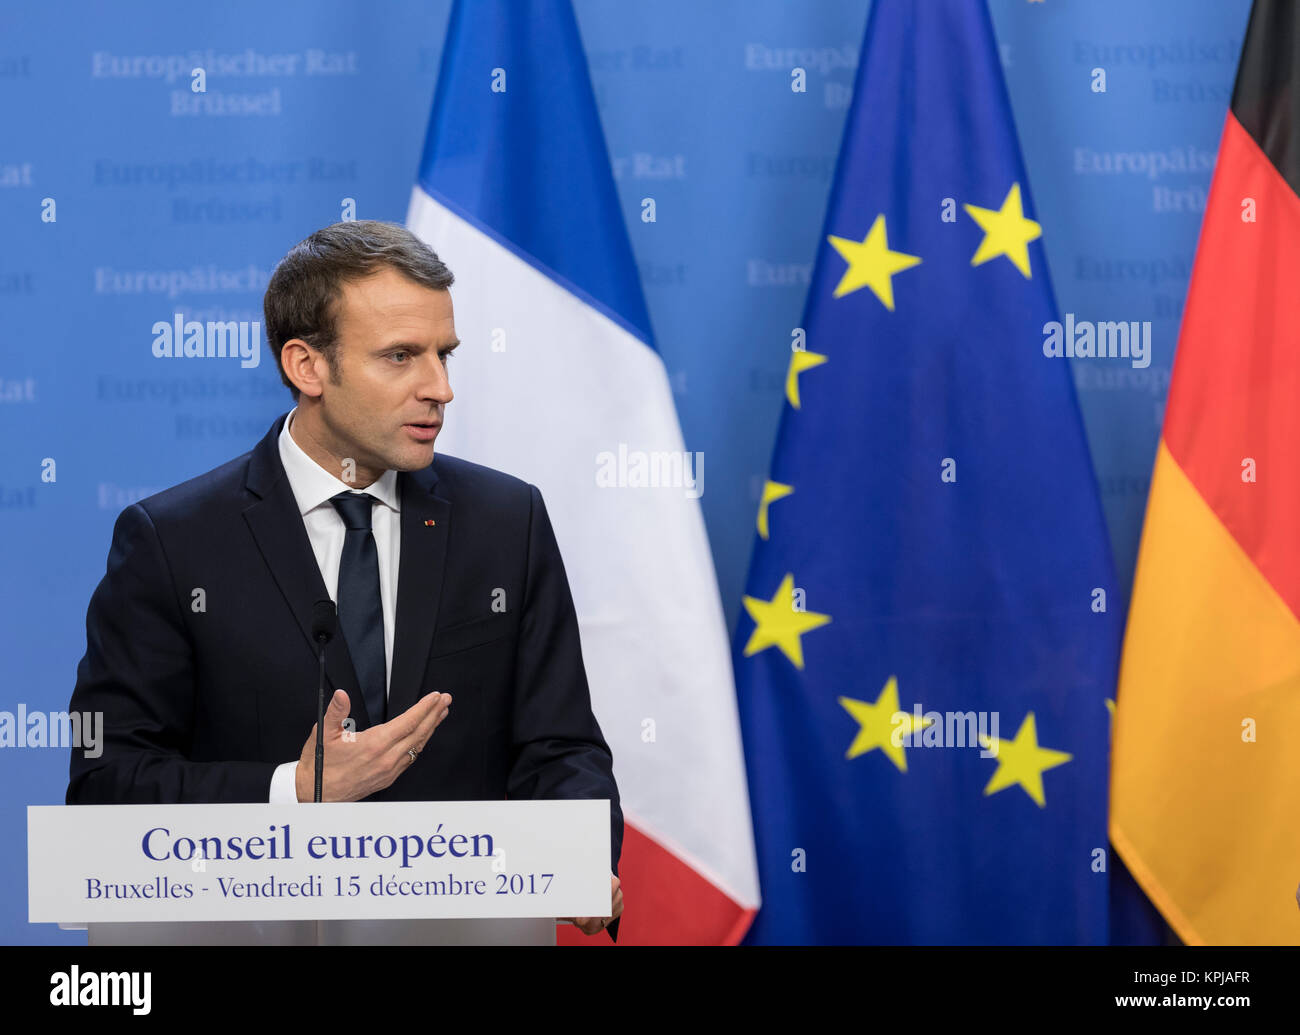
300 297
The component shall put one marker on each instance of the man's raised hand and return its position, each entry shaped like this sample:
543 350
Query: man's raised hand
358 764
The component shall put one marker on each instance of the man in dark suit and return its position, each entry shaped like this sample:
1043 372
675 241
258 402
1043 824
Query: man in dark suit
447 577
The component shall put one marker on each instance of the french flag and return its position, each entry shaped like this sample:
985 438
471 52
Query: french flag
559 382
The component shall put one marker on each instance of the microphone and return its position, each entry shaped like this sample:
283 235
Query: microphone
324 623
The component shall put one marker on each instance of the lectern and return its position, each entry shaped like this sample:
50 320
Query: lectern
362 873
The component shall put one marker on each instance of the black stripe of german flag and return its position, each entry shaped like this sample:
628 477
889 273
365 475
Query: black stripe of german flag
1266 98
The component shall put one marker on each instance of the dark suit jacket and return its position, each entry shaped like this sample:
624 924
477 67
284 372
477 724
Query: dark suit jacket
199 650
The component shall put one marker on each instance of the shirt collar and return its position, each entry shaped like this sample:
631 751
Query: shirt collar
313 485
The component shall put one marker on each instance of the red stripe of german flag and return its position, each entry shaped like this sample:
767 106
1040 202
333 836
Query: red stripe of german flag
1205 781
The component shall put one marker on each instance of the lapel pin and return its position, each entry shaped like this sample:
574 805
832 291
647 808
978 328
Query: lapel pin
430 523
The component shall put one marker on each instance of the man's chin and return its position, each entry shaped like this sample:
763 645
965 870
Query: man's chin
414 457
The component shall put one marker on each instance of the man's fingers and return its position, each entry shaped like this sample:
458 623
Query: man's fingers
585 924
428 724
403 726
337 710
419 737
593 924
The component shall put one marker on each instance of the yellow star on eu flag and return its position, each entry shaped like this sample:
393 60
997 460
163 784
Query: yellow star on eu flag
772 491
871 263
877 723
1006 231
800 360
778 624
1022 761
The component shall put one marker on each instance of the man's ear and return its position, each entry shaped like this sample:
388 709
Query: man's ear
301 365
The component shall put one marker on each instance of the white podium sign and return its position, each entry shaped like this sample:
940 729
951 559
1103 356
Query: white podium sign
334 861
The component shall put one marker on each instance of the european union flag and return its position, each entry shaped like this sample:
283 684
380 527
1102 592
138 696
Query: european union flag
930 631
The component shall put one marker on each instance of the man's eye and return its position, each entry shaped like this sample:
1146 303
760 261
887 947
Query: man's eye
445 357
393 354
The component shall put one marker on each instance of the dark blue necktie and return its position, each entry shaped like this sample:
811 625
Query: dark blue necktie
361 612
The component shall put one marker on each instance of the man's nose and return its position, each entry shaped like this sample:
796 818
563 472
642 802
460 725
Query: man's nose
435 385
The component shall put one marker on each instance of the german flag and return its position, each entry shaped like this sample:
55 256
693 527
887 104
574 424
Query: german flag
1205 781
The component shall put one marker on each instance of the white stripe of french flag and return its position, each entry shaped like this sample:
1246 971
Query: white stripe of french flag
558 382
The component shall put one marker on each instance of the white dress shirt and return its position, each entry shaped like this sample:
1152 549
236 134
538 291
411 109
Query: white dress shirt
313 487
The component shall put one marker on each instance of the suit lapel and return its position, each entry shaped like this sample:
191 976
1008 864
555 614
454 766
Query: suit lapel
426 524
278 528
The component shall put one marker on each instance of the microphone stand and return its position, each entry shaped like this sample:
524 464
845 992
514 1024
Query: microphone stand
320 722
324 620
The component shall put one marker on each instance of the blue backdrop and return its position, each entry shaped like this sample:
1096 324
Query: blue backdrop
125 198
